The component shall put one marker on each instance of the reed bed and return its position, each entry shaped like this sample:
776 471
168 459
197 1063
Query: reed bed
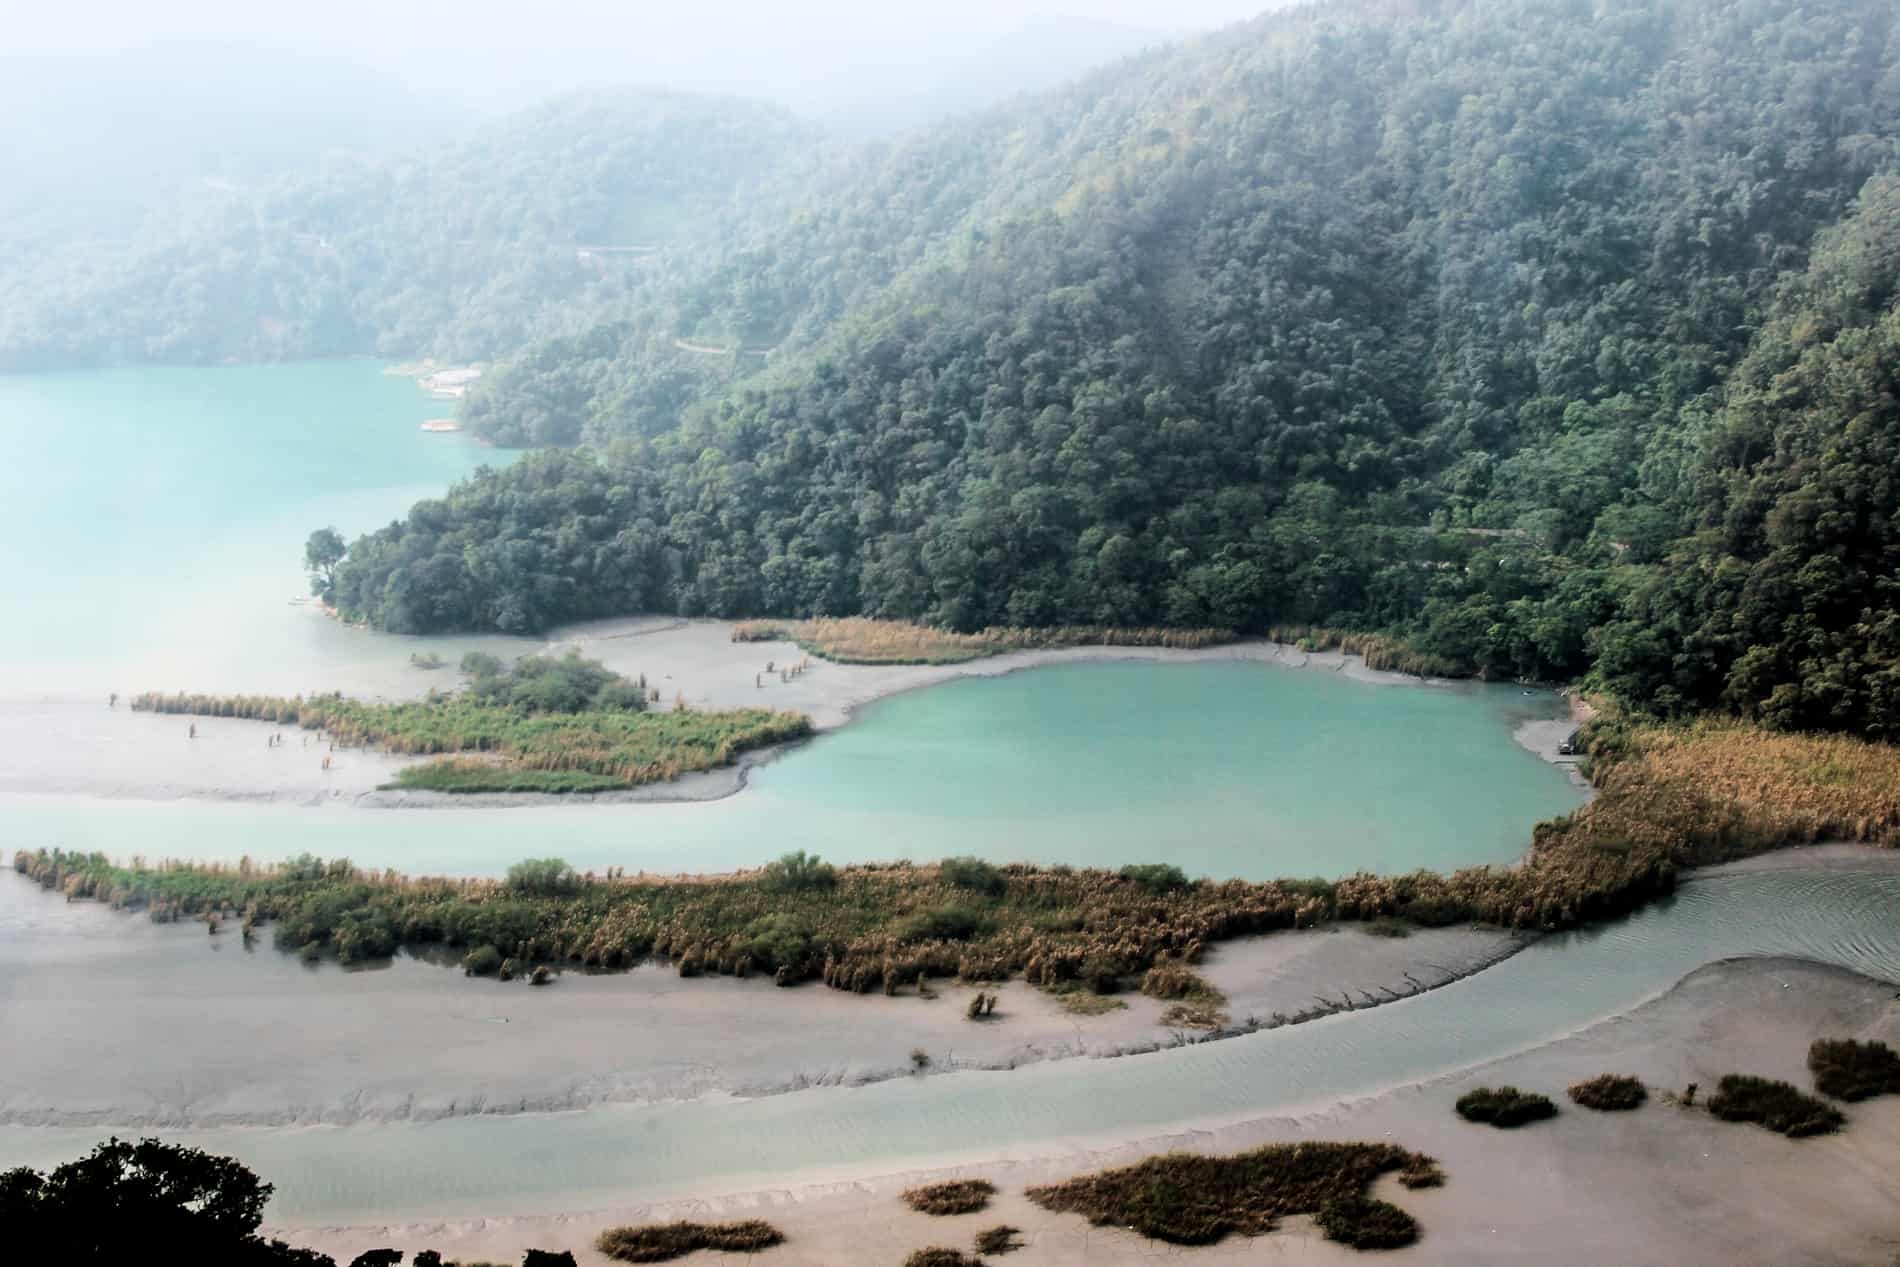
940 1256
864 640
1380 651
1072 932
661 1242
1001 1239
494 748
1191 1199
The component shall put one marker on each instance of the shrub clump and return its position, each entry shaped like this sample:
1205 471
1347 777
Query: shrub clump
1776 1105
1366 1223
483 961
659 1242
1190 1199
1610 1093
973 874
1002 1239
938 1256
958 1196
1504 1107
1850 1070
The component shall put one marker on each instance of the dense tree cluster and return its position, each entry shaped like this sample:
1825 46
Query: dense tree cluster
461 253
1548 337
1493 326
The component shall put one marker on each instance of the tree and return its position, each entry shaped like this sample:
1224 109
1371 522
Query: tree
126 1202
321 554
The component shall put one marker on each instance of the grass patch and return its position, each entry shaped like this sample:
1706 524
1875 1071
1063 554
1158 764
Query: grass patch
1504 1107
1189 1199
1386 926
1081 1002
939 1256
548 725
1002 1239
958 1196
1610 1093
1778 1106
862 640
661 1242
1849 1070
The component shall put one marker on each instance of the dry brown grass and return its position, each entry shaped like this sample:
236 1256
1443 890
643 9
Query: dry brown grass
863 640
957 1196
1189 1199
659 1242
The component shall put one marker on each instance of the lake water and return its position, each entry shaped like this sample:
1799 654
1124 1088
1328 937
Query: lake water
608 1156
154 519
1225 770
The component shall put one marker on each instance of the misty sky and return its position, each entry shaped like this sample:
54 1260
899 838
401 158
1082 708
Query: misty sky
500 54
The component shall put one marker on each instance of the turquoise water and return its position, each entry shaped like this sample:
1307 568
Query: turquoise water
492 1166
1235 769
154 519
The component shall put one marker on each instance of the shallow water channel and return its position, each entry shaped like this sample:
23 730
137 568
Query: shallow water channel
495 1165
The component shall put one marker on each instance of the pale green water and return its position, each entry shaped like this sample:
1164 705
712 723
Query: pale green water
154 519
1225 770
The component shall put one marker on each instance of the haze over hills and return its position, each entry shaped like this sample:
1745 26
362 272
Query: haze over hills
1466 323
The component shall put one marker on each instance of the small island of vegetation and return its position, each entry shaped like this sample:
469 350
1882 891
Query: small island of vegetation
1189 1199
544 724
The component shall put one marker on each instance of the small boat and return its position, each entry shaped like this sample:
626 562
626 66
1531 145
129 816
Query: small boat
442 424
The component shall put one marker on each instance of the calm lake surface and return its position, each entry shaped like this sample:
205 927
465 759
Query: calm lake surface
154 519
608 1156
1226 770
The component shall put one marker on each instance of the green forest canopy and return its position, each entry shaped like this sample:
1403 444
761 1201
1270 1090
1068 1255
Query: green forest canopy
1554 337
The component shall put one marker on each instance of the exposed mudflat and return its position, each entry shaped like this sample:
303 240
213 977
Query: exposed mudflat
110 1024
1662 1186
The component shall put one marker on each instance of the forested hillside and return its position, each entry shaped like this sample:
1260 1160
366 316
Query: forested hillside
461 252
1555 338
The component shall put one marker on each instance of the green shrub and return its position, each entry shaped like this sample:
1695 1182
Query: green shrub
1610 1093
658 1242
940 923
1156 877
798 872
542 877
1387 926
481 962
1775 1105
1851 1070
1504 1107
1366 1223
972 873
958 1196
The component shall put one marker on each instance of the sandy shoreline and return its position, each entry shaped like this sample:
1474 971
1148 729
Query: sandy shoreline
72 747
1659 1186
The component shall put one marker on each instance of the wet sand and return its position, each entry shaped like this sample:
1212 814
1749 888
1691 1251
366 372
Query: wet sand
73 747
1664 1185
108 1024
